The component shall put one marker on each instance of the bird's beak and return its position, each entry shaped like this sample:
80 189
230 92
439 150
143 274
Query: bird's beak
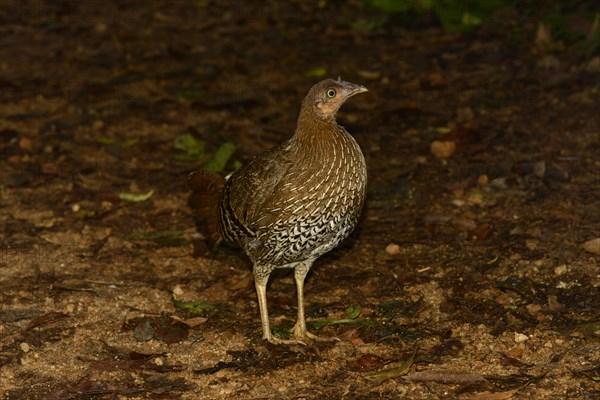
353 88
359 89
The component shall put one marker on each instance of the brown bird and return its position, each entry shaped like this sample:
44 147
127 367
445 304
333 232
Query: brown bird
293 203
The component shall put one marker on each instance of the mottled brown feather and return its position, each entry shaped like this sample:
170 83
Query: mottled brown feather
206 188
294 202
315 178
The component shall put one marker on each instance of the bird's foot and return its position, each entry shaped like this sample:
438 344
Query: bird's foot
305 336
300 338
288 342
308 337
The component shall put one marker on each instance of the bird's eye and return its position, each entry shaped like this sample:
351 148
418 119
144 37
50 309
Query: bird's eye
331 93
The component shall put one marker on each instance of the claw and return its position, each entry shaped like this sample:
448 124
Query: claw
274 340
315 338
304 334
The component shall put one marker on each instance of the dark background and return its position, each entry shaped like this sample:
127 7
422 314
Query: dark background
474 272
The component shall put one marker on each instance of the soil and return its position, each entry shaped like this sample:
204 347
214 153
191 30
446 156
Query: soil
474 273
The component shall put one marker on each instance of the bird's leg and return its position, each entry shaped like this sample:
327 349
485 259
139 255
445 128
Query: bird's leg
299 330
299 274
260 282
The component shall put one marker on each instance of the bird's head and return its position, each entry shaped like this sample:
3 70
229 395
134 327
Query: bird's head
326 97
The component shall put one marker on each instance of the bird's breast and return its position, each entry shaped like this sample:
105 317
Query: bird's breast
318 204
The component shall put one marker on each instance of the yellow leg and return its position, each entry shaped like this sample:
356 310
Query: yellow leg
299 330
260 284
299 275
261 293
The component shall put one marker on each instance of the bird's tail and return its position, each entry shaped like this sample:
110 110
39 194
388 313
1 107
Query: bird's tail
206 188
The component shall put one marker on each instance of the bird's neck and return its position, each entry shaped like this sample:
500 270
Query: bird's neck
313 128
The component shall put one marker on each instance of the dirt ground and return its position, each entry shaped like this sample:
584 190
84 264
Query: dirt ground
474 273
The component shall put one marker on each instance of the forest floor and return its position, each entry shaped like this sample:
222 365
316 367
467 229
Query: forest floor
474 273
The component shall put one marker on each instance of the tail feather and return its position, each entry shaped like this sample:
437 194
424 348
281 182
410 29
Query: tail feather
206 188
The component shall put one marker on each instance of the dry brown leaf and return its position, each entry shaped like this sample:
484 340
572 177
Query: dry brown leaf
366 362
349 334
593 245
543 36
494 396
402 368
445 377
191 322
240 282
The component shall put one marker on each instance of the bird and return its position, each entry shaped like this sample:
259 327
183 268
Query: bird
292 203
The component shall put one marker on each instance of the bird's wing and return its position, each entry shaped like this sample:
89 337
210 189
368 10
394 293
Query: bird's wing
250 188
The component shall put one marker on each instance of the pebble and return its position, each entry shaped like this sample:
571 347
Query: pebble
534 308
220 374
97 125
177 291
531 244
24 347
442 149
520 337
483 180
560 270
392 249
25 143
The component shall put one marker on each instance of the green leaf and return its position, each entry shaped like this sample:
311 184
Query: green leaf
192 148
237 164
316 72
320 324
281 333
105 140
455 15
458 16
218 161
136 197
469 19
191 94
201 4
391 6
198 308
187 142
352 311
